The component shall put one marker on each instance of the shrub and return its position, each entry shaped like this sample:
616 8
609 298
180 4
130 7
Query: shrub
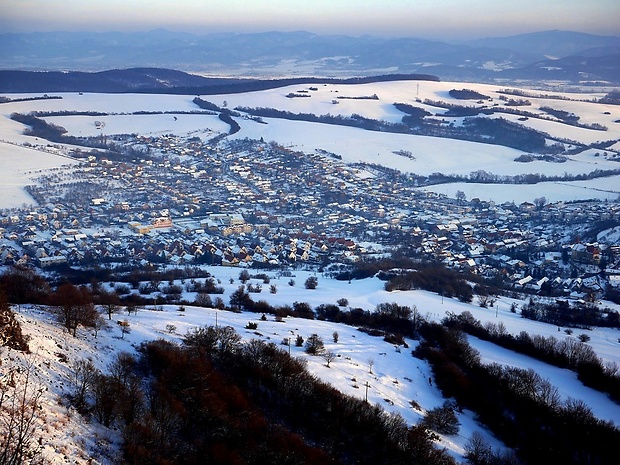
11 331
122 289
314 345
442 419
584 337
312 282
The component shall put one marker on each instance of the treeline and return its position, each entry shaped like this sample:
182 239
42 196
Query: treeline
524 93
612 98
225 114
361 97
529 114
433 278
240 86
206 105
485 177
406 274
521 408
392 321
74 304
413 111
467 94
215 398
561 313
568 353
569 118
509 134
515 102
227 118
402 273
369 267
29 99
354 120
44 114
454 109
528 158
43 129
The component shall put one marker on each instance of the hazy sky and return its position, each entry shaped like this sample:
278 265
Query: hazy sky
434 19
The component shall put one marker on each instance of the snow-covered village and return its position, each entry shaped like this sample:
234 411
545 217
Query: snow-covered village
410 257
304 243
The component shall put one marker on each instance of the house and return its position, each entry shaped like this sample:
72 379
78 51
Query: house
139 228
162 222
586 253
51 261
527 207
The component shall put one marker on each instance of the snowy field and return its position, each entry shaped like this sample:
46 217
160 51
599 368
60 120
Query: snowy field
397 378
602 189
19 166
355 145
203 126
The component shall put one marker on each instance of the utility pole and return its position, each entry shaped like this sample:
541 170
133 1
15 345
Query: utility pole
366 397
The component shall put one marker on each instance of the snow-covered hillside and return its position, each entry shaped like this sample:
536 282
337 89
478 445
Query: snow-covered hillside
430 154
396 379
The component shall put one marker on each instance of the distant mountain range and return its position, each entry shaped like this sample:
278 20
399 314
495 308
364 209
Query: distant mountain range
551 55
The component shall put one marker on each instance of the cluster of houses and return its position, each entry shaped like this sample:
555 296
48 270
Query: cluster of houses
250 203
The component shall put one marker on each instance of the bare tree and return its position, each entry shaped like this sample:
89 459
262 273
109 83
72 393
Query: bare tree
122 370
416 321
477 449
107 394
244 276
110 302
20 409
486 301
540 202
74 307
99 323
329 356
203 299
82 376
